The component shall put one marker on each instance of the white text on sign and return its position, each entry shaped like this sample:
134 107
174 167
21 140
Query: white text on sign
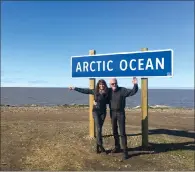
133 64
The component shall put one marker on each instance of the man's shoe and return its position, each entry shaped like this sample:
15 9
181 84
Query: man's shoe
125 155
115 150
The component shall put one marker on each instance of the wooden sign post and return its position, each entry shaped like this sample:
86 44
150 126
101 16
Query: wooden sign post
144 108
91 99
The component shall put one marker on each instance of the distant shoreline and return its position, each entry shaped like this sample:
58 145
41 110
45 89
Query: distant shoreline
151 88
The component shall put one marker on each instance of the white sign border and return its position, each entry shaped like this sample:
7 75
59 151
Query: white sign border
134 52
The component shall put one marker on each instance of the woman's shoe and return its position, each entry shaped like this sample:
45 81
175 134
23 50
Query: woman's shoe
102 149
98 149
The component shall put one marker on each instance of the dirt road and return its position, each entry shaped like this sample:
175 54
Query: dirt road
56 138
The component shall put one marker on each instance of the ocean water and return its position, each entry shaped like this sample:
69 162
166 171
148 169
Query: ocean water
19 96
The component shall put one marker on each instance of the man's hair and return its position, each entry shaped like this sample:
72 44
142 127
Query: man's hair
113 79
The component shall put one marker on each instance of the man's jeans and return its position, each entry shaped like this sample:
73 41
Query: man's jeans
120 117
99 118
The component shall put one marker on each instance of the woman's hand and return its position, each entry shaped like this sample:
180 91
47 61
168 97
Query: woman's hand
94 102
71 88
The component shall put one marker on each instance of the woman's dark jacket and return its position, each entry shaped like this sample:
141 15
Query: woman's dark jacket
100 99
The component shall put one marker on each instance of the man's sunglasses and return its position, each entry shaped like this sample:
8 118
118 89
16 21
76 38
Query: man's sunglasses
113 83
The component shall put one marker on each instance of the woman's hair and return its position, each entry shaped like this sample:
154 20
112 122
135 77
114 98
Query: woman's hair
101 81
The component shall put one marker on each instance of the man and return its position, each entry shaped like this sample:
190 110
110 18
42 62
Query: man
117 96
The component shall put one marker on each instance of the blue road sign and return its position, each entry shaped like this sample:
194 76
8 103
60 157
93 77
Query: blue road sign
157 63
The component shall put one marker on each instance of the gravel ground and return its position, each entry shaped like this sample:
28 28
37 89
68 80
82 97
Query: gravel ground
56 138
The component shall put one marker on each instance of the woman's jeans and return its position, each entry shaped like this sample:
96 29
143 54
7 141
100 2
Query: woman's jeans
99 118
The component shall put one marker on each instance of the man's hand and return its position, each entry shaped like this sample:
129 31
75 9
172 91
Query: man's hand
134 81
71 88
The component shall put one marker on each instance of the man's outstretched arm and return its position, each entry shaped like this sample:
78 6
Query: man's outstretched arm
131 92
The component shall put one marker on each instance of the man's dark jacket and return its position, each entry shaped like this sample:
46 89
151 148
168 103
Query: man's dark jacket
117 98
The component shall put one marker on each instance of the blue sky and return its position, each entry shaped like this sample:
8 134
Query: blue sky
38 38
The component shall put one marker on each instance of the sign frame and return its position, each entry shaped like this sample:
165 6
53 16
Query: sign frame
133 52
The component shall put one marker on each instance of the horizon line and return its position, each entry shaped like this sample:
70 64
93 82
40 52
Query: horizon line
86 87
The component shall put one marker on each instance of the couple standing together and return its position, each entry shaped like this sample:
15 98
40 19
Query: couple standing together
115 96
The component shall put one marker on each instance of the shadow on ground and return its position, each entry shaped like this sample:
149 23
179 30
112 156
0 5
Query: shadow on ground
179 133
154 148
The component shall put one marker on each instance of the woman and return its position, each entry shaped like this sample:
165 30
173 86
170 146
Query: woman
99 108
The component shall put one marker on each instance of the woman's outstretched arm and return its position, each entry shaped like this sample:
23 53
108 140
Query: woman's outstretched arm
82 90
